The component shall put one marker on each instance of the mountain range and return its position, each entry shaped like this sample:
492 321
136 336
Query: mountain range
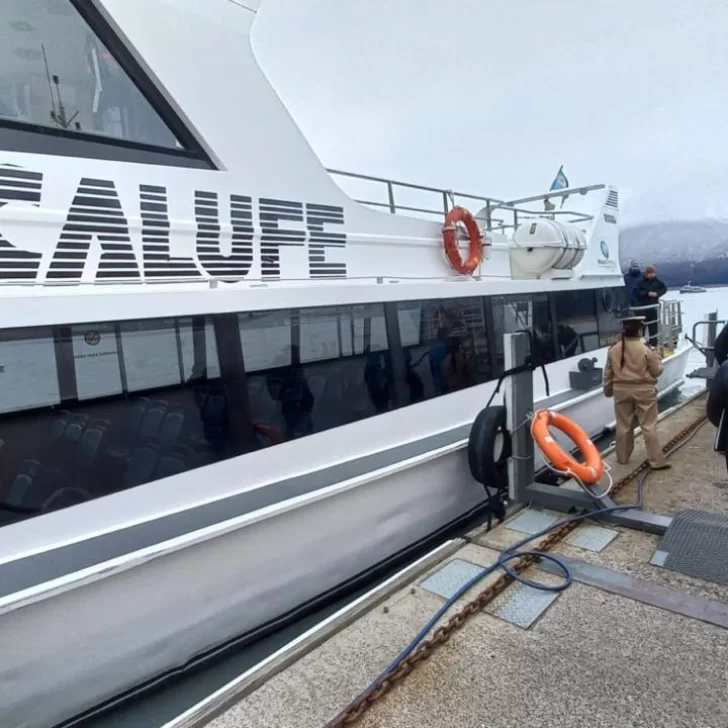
681 250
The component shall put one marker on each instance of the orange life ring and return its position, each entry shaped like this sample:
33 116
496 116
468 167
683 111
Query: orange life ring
589 472
450 237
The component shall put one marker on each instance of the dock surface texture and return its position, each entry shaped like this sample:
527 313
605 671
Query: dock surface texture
628 644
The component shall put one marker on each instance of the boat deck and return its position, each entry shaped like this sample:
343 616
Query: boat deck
630 643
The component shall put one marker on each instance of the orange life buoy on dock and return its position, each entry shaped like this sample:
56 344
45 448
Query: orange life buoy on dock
475 253
589 472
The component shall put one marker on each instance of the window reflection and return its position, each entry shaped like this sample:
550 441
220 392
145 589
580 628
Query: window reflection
90 409
445 346
55 72
523 312
576 322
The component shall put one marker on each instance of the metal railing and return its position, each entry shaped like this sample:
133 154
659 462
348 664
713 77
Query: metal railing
669 322
496 214
707 349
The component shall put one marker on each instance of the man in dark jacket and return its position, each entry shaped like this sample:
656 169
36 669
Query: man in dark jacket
648 292
717 409
632 279
720 347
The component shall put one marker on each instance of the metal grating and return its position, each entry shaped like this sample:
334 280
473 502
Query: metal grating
591 538
446 581
696 544
532 522
523 605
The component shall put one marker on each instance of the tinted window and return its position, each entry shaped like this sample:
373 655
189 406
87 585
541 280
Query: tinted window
611 304
445 346
103 407
55 72
95 408
28 370
576 322
526 312
315 369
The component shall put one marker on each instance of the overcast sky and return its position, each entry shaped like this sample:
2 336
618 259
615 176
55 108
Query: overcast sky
492 97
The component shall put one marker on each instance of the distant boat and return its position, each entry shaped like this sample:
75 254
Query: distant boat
690 288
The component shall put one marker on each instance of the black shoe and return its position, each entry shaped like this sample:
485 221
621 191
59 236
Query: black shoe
666 466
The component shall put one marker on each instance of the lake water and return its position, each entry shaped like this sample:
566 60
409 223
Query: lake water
695 306
156 709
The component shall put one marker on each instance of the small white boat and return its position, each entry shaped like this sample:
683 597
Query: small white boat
690 288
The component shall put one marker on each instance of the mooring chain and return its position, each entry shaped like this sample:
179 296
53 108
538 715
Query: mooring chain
442 634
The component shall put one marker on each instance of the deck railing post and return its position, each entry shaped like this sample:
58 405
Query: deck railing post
519 402
390 194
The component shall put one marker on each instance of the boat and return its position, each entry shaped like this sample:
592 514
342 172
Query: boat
690 288
230 389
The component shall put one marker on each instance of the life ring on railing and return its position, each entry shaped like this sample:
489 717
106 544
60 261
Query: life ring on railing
589 472
450 238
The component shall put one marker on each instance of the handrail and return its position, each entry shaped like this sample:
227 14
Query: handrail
703 322
490 204
557 193
704 350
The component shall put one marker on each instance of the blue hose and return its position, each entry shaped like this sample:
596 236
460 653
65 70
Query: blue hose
512 553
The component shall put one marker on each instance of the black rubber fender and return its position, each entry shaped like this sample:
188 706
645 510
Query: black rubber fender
487 466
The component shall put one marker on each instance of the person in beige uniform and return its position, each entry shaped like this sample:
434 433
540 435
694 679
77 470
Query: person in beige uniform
630 376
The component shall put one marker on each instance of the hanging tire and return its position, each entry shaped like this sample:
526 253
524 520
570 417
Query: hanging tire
488 467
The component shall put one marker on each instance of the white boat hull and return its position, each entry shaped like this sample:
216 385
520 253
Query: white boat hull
154 610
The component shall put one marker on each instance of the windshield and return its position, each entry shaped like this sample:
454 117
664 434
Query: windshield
55 72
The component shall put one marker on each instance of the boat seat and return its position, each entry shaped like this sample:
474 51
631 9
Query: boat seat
89 446
151 423
141 465
170 465
126 438
171 429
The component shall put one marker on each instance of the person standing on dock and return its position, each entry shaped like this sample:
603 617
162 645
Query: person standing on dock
630 376
648 293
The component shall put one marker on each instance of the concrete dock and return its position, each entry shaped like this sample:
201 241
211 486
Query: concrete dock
629 644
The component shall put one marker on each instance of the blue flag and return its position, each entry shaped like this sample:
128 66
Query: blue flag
560 181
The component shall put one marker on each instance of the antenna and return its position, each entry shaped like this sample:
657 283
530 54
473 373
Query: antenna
48 76
58 116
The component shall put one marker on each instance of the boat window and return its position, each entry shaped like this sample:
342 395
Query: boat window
611 304
331 333
523 312
576 322
28 370
91 409
445 346
328 367
104 407
58 76
266 339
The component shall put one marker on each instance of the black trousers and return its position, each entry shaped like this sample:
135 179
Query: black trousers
651 326
720 444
